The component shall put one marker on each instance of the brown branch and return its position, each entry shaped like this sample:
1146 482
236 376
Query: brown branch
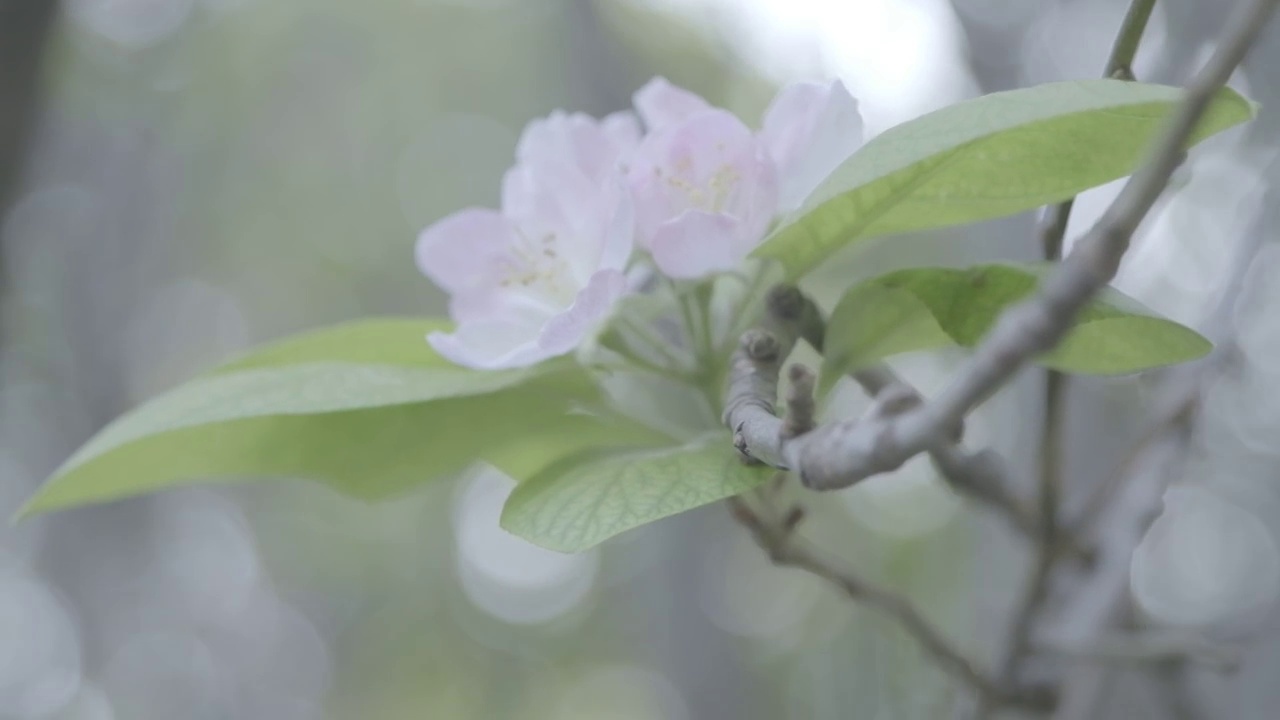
1032 606
840 454
1149 646
897 428
753 390
1136 495
1125 49
776 536
790 316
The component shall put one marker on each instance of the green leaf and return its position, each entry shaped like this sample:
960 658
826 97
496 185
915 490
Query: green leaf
362 407
926 308
988 157
582 501
384 341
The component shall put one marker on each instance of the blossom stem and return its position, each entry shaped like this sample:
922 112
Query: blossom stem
635 362
658 346
689 315
740 318
702 301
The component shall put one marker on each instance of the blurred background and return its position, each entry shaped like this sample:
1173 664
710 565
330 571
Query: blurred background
180 179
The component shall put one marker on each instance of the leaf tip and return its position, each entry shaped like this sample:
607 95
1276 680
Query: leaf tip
30 508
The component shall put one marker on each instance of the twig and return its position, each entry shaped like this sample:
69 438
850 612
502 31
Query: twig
1125 49
776 536
789 316
1148 646
1138 494
1119 66
1136 503
840 454
758 362
982 475
778 541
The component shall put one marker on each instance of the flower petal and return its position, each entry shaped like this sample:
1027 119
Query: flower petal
458 252
697 244
809 129
548 196
593 147
623 130
662 104
588 225
709 162
489 344
593 304
620 231
514 303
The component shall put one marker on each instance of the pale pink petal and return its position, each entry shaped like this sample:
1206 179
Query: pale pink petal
489 344
549 197
592 147
593 304
620 230
810 129
709 162
623 130
514 303
662 104
459 251
696 244
530 282
584 225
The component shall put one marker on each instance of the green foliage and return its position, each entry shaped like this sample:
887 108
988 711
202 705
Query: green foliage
585 500
988 157
382 341
924 308
365 407
370 409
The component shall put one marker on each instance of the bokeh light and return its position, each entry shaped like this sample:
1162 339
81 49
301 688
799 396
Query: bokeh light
1204 560
508 577
40 658
204 175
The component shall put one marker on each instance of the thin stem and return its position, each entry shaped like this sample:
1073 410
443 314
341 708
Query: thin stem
735 326
1050 470
688 315
655 343
909 618
1125 49
1120 66
1055 229
774 532
636 362
702 297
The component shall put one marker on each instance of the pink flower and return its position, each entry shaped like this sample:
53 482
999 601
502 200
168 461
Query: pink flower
707 188
530 282
661 104
705 193
809 129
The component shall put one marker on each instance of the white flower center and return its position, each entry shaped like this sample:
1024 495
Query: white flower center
711 196
536 267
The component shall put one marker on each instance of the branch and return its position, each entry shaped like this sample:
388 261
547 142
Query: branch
1125 49
776 536
1119 66
1136 495
1148 646
753 388
789 316
841 454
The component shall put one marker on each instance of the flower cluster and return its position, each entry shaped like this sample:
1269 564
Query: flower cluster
678 181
